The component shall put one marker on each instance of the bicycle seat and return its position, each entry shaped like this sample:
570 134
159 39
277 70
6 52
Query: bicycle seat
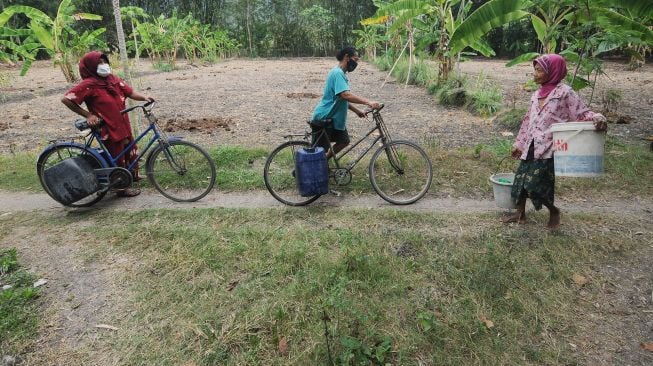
321 123
82 124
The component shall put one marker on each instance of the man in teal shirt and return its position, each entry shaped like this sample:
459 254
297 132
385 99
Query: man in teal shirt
337 99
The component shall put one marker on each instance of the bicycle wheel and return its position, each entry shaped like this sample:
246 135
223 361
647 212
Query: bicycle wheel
181 171
278 174
57 155
400 172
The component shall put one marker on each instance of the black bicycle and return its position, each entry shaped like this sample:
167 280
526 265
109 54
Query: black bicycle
400 171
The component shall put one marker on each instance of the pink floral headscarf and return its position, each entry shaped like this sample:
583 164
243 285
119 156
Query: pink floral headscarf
555 68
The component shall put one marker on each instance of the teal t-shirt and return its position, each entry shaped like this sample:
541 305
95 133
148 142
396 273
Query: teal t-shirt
332 105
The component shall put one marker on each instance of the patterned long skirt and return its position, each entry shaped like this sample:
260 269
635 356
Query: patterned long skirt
534 179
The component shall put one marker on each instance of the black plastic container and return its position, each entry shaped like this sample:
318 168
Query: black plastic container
71 180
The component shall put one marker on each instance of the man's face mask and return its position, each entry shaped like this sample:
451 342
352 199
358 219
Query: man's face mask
351 65
103 70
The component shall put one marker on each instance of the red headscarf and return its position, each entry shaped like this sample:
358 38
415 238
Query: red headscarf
88 71
555 68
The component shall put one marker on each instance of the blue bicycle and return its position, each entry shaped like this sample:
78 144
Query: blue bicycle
79 175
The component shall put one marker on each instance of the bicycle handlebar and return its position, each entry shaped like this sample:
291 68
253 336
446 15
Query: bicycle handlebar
127 110
369 110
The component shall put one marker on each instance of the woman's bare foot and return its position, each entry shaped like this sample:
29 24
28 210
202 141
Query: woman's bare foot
519 217
554 219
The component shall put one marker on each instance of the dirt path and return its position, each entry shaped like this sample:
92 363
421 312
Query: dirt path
13 202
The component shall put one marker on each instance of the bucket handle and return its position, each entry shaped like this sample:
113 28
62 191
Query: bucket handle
571 137
500 163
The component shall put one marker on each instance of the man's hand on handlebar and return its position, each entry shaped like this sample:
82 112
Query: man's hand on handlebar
375 105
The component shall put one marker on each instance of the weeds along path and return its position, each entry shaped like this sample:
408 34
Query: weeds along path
19 201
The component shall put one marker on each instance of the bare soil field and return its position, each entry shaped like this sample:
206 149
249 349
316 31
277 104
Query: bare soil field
255 102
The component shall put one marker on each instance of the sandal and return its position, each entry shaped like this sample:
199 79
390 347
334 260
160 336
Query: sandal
517 217
128 192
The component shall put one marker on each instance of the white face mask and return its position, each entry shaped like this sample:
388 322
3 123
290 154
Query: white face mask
103 70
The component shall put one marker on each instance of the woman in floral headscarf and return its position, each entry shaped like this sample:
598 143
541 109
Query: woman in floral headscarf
553 102
104 95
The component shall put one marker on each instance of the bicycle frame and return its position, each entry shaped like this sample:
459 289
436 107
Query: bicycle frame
383 137
113 161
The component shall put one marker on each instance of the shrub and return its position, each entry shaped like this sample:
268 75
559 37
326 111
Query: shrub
163 66
452 91
510 119
484 97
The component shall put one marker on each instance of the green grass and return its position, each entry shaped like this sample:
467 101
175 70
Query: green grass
461 172
18 172
18 307
511 119
226 287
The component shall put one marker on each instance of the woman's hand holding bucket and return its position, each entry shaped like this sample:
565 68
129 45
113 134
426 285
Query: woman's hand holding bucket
516 153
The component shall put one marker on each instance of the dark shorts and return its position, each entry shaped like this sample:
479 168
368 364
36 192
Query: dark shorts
337 136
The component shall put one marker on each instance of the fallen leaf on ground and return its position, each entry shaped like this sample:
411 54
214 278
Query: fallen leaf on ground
579 280
647 346
283 346
232 285
105 326
488 323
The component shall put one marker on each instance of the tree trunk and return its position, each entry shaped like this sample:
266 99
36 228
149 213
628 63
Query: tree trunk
249 31
122 45
138 54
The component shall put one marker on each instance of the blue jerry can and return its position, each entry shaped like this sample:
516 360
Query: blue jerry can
312 172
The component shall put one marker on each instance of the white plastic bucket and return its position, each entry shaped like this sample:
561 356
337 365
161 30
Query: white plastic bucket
502 189
578 149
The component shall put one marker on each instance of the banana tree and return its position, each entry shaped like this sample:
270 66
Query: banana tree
631 21
55 36
16 45
455 33
134 14
369 38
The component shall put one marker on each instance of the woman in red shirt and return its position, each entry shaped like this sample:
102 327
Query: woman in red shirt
104 95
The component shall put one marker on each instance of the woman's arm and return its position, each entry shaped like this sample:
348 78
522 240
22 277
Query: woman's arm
520 140
578 111
92 119
143 98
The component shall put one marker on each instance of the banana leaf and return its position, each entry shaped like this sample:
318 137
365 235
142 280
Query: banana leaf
490 15
526 57
42 35
10 32
483 47
619 23
636 8
28 11
540 27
